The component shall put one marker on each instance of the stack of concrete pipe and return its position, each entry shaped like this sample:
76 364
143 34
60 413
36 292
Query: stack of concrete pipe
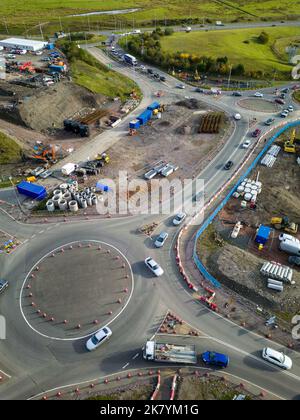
277 272
249 190
67 197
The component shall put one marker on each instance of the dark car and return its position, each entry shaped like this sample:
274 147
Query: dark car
279 101
270 121
150 71
199 90
162 78
228 165
215 359
3 285
156 75
285 90
294 260
256 133
237 94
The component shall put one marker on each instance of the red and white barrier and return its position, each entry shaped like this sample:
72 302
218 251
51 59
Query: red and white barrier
173 388
154 395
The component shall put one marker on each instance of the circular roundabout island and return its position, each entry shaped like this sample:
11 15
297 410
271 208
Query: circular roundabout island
76 289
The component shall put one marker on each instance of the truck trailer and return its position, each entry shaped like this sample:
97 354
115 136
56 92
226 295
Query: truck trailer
170 353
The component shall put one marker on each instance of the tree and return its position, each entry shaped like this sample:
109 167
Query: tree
263 38
169 31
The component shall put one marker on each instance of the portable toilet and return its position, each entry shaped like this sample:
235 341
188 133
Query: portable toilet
263 235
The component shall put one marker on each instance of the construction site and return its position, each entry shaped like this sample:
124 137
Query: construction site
247 246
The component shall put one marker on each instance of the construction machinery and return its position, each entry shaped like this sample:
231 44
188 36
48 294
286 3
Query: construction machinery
283 223
46 154
289 145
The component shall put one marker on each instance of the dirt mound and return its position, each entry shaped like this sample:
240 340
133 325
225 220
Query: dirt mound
43 109
190 103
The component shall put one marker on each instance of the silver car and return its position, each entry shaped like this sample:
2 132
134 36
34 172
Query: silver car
46 174
161 239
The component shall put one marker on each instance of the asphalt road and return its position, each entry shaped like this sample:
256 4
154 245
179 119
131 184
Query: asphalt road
36 363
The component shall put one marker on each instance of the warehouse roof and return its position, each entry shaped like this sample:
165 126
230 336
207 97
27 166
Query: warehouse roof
22 42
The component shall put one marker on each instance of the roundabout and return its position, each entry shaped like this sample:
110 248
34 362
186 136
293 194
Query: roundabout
259 105
76 289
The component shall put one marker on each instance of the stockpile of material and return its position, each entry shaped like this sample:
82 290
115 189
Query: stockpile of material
270 158
67 197
277 275
249 189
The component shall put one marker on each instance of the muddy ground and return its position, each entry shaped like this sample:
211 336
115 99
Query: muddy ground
173 138
236 262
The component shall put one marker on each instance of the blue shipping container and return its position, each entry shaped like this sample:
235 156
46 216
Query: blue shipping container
50 47
145 116
58 69
153 106
37 192
134 124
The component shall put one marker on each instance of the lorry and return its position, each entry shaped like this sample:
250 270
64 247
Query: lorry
170 353
130 59
68 168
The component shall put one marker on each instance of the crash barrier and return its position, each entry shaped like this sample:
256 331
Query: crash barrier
173 388
155 393
209 220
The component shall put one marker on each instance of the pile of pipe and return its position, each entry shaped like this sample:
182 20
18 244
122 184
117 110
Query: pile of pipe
278 272
68 197
249 190
270 158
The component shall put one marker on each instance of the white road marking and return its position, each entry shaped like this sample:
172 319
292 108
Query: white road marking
134 357
125 366
42 231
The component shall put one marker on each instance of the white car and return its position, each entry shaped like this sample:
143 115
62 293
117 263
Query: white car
286 236
290 108
180 86
154 267
284 113
161 239
179 218
46 174
37 171
259 95
246 144
98 338
277 358
237 117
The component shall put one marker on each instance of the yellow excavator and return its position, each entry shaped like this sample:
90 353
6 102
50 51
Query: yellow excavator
289 145
283 223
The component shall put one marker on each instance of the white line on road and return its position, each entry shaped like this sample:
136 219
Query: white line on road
134 357
125 366
42 231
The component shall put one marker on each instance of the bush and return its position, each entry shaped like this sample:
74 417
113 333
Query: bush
263 38
169 31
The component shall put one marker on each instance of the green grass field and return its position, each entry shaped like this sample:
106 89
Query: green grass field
230 43
10 151
24 16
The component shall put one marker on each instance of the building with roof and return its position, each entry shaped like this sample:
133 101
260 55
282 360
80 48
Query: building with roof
23 44
263 234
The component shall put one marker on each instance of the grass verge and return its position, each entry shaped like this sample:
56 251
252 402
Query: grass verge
10 151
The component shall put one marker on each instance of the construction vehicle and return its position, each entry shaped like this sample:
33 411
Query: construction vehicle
170 353
46 154
283 223
289 145
103 157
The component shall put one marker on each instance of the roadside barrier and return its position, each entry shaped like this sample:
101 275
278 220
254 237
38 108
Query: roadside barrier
173 388
155 393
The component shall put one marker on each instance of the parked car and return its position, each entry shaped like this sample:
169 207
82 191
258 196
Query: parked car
286 236
285 90
99 338
150 71
199 196
237 94
46 174
37 171
211 358
293 259
199 90
162 78
3 285
154 267
237 117
259 95
180 86
179 218
277 358
270 121
246 144
161 239
279 101
10 56
256 133
228 165
290 108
